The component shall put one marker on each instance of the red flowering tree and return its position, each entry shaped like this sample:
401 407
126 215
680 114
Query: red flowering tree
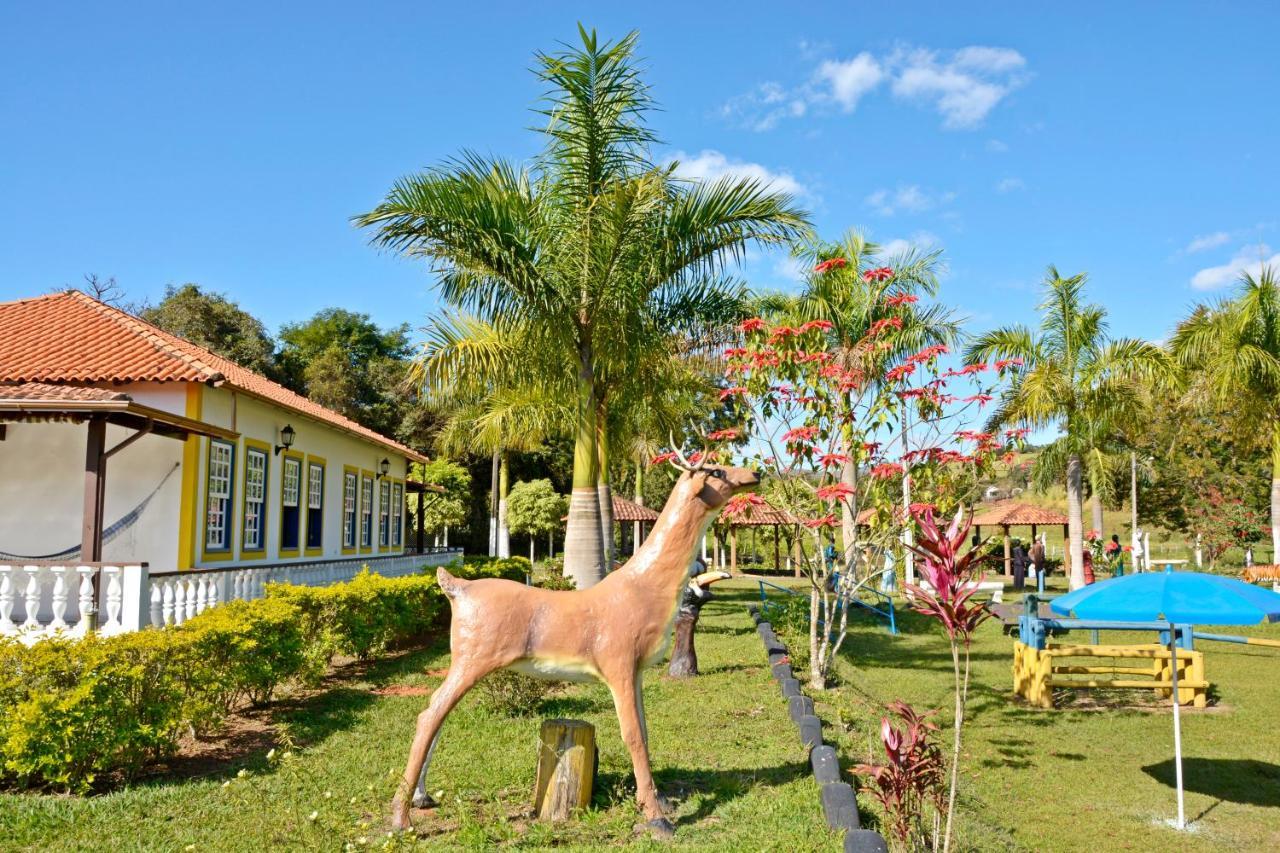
851 423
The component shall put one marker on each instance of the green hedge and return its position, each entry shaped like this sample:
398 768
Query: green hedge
74 710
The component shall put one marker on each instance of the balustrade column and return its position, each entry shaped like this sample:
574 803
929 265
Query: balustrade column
32 599
6 601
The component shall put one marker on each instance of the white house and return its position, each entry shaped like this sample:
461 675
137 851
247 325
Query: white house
123 445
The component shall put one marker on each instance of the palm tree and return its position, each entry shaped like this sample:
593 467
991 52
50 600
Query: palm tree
1073 377
853 302
1231 352
577 247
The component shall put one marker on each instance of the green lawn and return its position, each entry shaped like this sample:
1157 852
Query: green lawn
723 748
1080 778
1071 779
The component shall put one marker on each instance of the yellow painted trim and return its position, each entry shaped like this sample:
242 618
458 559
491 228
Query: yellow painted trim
397 481
302 522
188 500
324 497
229 553
355 519
372 547
254 553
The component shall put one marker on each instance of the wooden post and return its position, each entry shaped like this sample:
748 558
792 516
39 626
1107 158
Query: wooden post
733 549
777 559
422 534
1008 551
94 492
566 768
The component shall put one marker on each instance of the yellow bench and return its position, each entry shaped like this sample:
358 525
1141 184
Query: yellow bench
1036 673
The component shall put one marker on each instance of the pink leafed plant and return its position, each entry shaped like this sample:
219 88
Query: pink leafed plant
913 776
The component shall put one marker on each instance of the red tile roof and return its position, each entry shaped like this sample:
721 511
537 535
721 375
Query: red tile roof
1014 513
70 338
46 393
625 510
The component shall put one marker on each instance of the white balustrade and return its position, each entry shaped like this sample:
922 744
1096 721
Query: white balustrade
38 601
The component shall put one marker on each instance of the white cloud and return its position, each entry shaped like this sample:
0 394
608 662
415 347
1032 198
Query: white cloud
709 165
1207 241
995 146
1248 260
789 268
907 197
851 79
921 240
963 85
1008 185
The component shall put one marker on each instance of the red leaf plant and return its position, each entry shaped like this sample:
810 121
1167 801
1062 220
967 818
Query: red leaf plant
913 777
949 599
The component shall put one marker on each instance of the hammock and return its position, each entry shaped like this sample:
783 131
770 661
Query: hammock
124 523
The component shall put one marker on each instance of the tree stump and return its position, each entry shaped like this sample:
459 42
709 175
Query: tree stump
566 768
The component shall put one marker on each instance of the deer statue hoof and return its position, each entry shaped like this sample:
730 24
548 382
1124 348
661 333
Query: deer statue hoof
659 828
399 818
665 805
423 800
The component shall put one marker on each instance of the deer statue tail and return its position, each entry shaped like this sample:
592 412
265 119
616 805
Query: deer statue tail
449 585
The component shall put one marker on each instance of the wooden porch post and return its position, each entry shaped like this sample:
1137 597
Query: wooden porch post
1008 551
777 558
422 534
94 491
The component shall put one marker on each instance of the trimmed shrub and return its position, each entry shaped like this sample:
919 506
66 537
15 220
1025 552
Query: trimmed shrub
362 617
246 650
509 568
511 694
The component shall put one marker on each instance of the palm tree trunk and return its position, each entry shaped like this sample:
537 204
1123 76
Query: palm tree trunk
1275 492
493 506
583 547
1075 522
504 486
604 496
636 530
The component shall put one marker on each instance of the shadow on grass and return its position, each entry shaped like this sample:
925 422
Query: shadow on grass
1235 780
715 788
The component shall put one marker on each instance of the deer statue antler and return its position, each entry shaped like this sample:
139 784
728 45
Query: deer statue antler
609 631
681 462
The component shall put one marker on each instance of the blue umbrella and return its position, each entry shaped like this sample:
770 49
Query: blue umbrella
1190 598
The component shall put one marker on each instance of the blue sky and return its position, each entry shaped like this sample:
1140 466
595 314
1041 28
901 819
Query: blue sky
229 144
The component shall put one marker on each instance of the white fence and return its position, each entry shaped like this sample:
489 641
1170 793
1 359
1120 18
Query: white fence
43 600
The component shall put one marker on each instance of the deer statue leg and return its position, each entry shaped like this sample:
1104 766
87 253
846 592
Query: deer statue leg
626 700
454 687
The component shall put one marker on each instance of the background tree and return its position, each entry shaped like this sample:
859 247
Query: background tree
534 508
1072 377
441 511
586 249
1231 353
216 323
344 361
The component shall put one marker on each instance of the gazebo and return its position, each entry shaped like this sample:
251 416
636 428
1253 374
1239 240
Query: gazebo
638 514
754 512
1008 514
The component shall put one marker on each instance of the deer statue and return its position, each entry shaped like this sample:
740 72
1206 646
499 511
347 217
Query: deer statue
609 631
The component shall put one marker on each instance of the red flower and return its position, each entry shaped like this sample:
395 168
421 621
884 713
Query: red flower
828 460
800 434
885 470
755 324
723 434
833 263
1008 362
878 274
662 457
881 326
734 352
820 325
735 391
835 492
815 523
901 299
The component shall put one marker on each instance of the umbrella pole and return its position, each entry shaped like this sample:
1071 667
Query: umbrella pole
1177 724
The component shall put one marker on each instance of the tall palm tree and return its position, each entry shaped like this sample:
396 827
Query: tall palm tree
853 302
1231 353
576 247
1073 377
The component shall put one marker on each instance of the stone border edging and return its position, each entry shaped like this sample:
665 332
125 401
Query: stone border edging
839 805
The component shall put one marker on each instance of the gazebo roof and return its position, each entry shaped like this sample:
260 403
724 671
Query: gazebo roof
748 513
1015 514
625 510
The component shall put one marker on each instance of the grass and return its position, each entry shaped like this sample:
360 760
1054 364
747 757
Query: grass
1089 776
722 748
1096 774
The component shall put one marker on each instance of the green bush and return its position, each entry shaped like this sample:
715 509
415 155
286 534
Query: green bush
509 568
362 617
247 649
511 694
71 710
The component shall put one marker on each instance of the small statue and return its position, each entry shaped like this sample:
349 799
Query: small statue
684 657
